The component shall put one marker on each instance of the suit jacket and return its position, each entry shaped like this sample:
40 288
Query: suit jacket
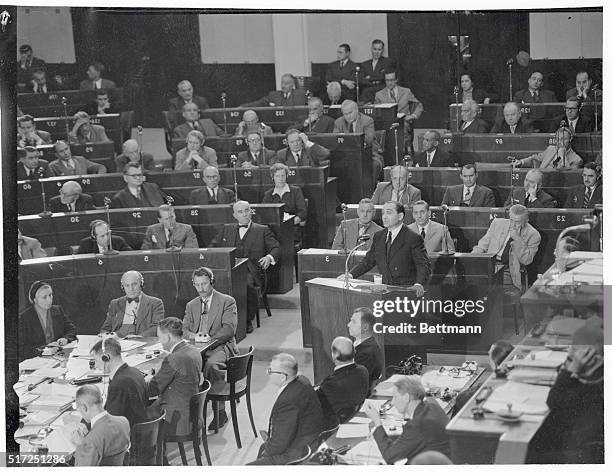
543 199
544 96
51 84
583 125
295 421
478 125
269 158
208 154
127 395
352 233
293 200
183 236
441 159
364 125
407 263
148 162
222 321
590 95
88 245
81 166
369 354
323 124
369 76
335 73
547 158
202 197
342 392
277 97
478 95
152 196
31 334
425 431
106 444
176 381
435 241
45 136
31 248
83 203
206 126
575 197
22 174
482 196
383 191
106 84
522 250
523 126
310 156
150 312
176 104
92 109
97 135
406 101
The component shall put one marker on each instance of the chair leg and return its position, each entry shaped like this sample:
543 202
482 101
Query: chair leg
182 451
196 452
248 396
205 443
235 422
266 305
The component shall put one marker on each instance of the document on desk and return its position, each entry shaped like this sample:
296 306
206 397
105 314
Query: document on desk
441 380
352 431
533 375
525 398
59 440
56 389
541 359
127 345
50 372
136 359
37 363
560 325
364 453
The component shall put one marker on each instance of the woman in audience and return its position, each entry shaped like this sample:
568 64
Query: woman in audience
43 323
468 91
284 193
195 155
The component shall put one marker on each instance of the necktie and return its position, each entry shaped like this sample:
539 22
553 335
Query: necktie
468 195
255 157
423 233
138 194
429 159
286 96
70 164
169 240
587 198
130 300
353 127
393 97
505 257
204 316
571 125
298 159
212 196
526 202
196 126
70 207
244 226
362 229
388 243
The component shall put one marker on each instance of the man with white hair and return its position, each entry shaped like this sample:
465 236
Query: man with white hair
513 121
288 96
184 89
334 94
71 199
531 195
131 154
470 122
250 123
316 121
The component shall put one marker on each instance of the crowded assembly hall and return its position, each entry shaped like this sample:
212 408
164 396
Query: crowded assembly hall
365 260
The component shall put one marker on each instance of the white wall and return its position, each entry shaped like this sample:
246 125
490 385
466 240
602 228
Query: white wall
48 30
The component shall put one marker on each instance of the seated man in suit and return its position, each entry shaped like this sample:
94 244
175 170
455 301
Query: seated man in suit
71 199
28 135
178 378
559 155
184 89
468 194
367 351
435 235
300 151
30 166
137 193
589 193
531 195
296 419
398 253
255 242
40 84
425 429
94 78
102 105
250 122
195 155
84 131
344 73
212 193
257 154
431 156
98 241
535 94
283 193
68 165
212 316
373 72
316 121
406 102
168 233
572 118
333 94
127 391
131 154
470 121
398 190
135 313
356 227
191 114
27 64
584 90
107 441
288 96
513 240
343 391
28 248
513 121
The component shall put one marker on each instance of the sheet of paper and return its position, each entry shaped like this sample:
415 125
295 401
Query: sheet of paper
564 325
54 401
39 417
36 363
127 345
77 367
67 418
56 389
135 359
59 440
542 359
436 380
27 431
359 420
533 375
526 398
50 372
155 347
26 398
364 453
352 431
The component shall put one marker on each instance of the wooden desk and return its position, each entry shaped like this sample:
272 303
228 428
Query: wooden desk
50 104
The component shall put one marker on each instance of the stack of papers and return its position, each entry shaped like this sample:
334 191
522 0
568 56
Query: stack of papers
135 359
59 440
352 431
542 376
525 398
36 363
50 372
39 418
564 326
56 389
364 453
52 402
541 359
25 398
127 345
434 380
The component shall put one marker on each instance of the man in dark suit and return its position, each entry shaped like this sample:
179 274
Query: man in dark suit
572 118
583 90
28 135
30 166
178 378
398 253
102 104
40 84
513 122
84 131
588 194
431 156
136 313
98 241
94 78
257 154
27 64
367 350
344 72
212 193
470 123
212 316
424 430
71 199
184 89
531 195
168 233
255 242
468 194
250 122
343 391
534 93
296 418
372 73
66 164
132 154
300 151
127 390
137 193
356 227
288 96
191 114
316 121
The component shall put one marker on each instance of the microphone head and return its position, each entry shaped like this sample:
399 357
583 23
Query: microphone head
363 238
344 207
445 207
510 61
223 95
262 125
169 200
357 68
64 100
233 158
562 124
394 126
139 127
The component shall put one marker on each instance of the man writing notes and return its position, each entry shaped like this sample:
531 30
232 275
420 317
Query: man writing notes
397 252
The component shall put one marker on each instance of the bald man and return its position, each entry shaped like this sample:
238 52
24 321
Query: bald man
513 122
250 123
184 89
71 199
344 390
130 154
191 115
288 96
316 121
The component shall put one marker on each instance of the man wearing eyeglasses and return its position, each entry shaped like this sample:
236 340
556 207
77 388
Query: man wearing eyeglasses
137 192
257 154
573 118
296 418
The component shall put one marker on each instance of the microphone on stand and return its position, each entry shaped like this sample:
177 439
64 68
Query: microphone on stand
172 248
394 127
456 93
357 69
344 208
109 250
45 213
233 162
562 126
446 251
262 131
362 241
140 160
223 98
596 91
64 105
509 63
